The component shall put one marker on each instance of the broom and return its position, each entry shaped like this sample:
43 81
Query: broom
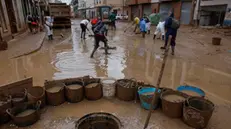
158 84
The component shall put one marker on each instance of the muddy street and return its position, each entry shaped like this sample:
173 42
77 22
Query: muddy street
196 62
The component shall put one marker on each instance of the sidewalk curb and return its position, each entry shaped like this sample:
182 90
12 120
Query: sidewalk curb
35 50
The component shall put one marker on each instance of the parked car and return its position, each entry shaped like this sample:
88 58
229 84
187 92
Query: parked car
121 17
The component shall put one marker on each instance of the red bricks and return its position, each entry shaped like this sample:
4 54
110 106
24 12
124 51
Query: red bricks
177 9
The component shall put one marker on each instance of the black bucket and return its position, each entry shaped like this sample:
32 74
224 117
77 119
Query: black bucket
98 120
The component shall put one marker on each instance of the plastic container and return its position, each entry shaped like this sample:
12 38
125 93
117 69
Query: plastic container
126 89
173 109
197 112
19 98
109 87
146 96
55 98
37 93
4 104
74 95
191 91
93 92
216 41
28 119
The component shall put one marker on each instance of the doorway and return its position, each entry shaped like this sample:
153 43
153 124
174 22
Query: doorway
11 15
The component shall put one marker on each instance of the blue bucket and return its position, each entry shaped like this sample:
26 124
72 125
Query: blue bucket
146 99
193 89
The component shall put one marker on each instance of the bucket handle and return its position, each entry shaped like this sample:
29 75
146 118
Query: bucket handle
38 104
8 111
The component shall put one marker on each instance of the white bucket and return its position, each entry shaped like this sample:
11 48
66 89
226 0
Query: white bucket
109 88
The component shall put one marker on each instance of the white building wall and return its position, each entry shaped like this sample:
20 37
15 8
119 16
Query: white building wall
216 2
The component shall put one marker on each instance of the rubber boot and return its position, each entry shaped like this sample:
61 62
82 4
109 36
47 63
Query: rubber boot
49 37
148 31
84 35
173 50
162 37
154 37
52 37
94 50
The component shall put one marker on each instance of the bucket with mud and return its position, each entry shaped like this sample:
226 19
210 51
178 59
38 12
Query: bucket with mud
55 94
146 95
172 103
109 89
216 41
19 97
98 121
93 91
5 103
197 112
126 89
36 93
25 114
74 91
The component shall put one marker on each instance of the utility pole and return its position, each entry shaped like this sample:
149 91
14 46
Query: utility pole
123 6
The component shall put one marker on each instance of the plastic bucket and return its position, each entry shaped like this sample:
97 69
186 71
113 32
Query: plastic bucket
170 108
55 98
216 41
126 89
109 89
4 104
74 95
147 99
197 112
191 91
35 94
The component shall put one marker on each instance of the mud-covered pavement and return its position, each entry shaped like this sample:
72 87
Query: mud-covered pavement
196 62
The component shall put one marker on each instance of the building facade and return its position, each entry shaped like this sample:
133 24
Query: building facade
213 12
183 9
12 18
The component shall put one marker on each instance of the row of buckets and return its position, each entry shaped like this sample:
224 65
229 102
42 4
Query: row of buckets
195 111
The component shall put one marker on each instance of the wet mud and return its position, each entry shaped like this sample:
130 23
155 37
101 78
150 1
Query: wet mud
196 62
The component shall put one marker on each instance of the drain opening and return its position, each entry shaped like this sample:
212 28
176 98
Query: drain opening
98 121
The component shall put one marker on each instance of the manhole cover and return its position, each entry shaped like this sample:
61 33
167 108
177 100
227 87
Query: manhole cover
98 121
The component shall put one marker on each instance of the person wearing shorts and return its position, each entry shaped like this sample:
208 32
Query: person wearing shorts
83 25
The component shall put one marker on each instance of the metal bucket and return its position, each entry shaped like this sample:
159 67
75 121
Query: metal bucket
5 103
55 98
126 89
109 89
197 112
172 109
146 99
216 41
35 94
28 119
19 98
74 95
93 93
98 121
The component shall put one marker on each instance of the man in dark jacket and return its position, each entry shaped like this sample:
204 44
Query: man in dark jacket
170 32
99 32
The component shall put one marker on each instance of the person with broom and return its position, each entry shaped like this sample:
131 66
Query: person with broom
83 25
99 32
